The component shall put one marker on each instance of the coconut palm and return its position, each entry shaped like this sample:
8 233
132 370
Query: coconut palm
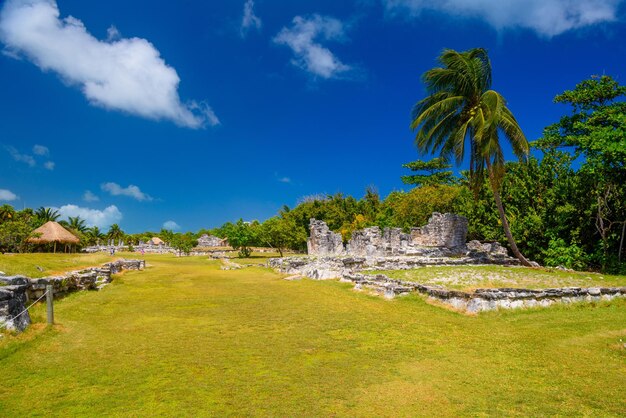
460 112
115 232
47 214
94 235
77 223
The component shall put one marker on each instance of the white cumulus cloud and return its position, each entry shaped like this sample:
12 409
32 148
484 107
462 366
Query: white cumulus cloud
7 195
125 74
41 150
546 17
249 19
304 36
49 165
88 196
131 191
93 217
171 225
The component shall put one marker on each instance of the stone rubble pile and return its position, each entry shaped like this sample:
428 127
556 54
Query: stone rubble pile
17 291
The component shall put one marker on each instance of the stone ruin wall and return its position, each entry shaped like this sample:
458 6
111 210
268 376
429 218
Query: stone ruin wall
322 241
20 290
446 231
443 230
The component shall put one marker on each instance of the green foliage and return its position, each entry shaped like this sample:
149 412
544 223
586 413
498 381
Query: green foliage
183 242
14 235
559 253
115 233
437 171
47 214
596 131
241 236
407 210
281 233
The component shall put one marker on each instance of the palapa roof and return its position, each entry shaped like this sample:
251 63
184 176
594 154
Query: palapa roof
53 232
156 241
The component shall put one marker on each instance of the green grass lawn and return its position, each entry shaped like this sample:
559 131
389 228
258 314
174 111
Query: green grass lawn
473 277
185 338
51 264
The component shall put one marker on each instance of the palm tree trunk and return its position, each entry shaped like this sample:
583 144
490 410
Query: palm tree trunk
505 222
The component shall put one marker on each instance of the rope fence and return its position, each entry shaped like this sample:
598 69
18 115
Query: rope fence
49 292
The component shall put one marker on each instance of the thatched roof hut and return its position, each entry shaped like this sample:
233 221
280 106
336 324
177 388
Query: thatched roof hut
156 241
52 232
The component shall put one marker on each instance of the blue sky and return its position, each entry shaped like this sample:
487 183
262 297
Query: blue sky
196 113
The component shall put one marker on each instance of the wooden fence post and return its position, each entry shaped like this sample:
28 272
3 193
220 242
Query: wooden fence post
49 298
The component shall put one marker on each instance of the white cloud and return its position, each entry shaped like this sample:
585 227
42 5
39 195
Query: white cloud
309 54
7 195
126 74
90 197
249 19
41 150
23 158
131 191
284 180
49 165
171 225
546 17
92 217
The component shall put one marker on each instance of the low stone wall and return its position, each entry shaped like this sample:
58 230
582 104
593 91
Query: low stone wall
486 299
335 267
20 290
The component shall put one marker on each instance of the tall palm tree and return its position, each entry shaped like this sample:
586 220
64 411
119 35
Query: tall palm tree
94 235
461 110
115 232
47 214
77 223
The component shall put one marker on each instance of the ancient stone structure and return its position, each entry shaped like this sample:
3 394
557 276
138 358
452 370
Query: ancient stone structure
17 291
211 241
486 299
323 241
443 230
372 241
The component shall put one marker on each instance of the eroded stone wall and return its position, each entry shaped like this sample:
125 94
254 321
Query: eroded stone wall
446 231
443 230
322 241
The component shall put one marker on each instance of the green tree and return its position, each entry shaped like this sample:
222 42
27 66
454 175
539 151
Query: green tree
462 106
7 213
433 172
596 131
281 233
14 236
241 237
94 235
115 233
183 242
77 224
47 214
